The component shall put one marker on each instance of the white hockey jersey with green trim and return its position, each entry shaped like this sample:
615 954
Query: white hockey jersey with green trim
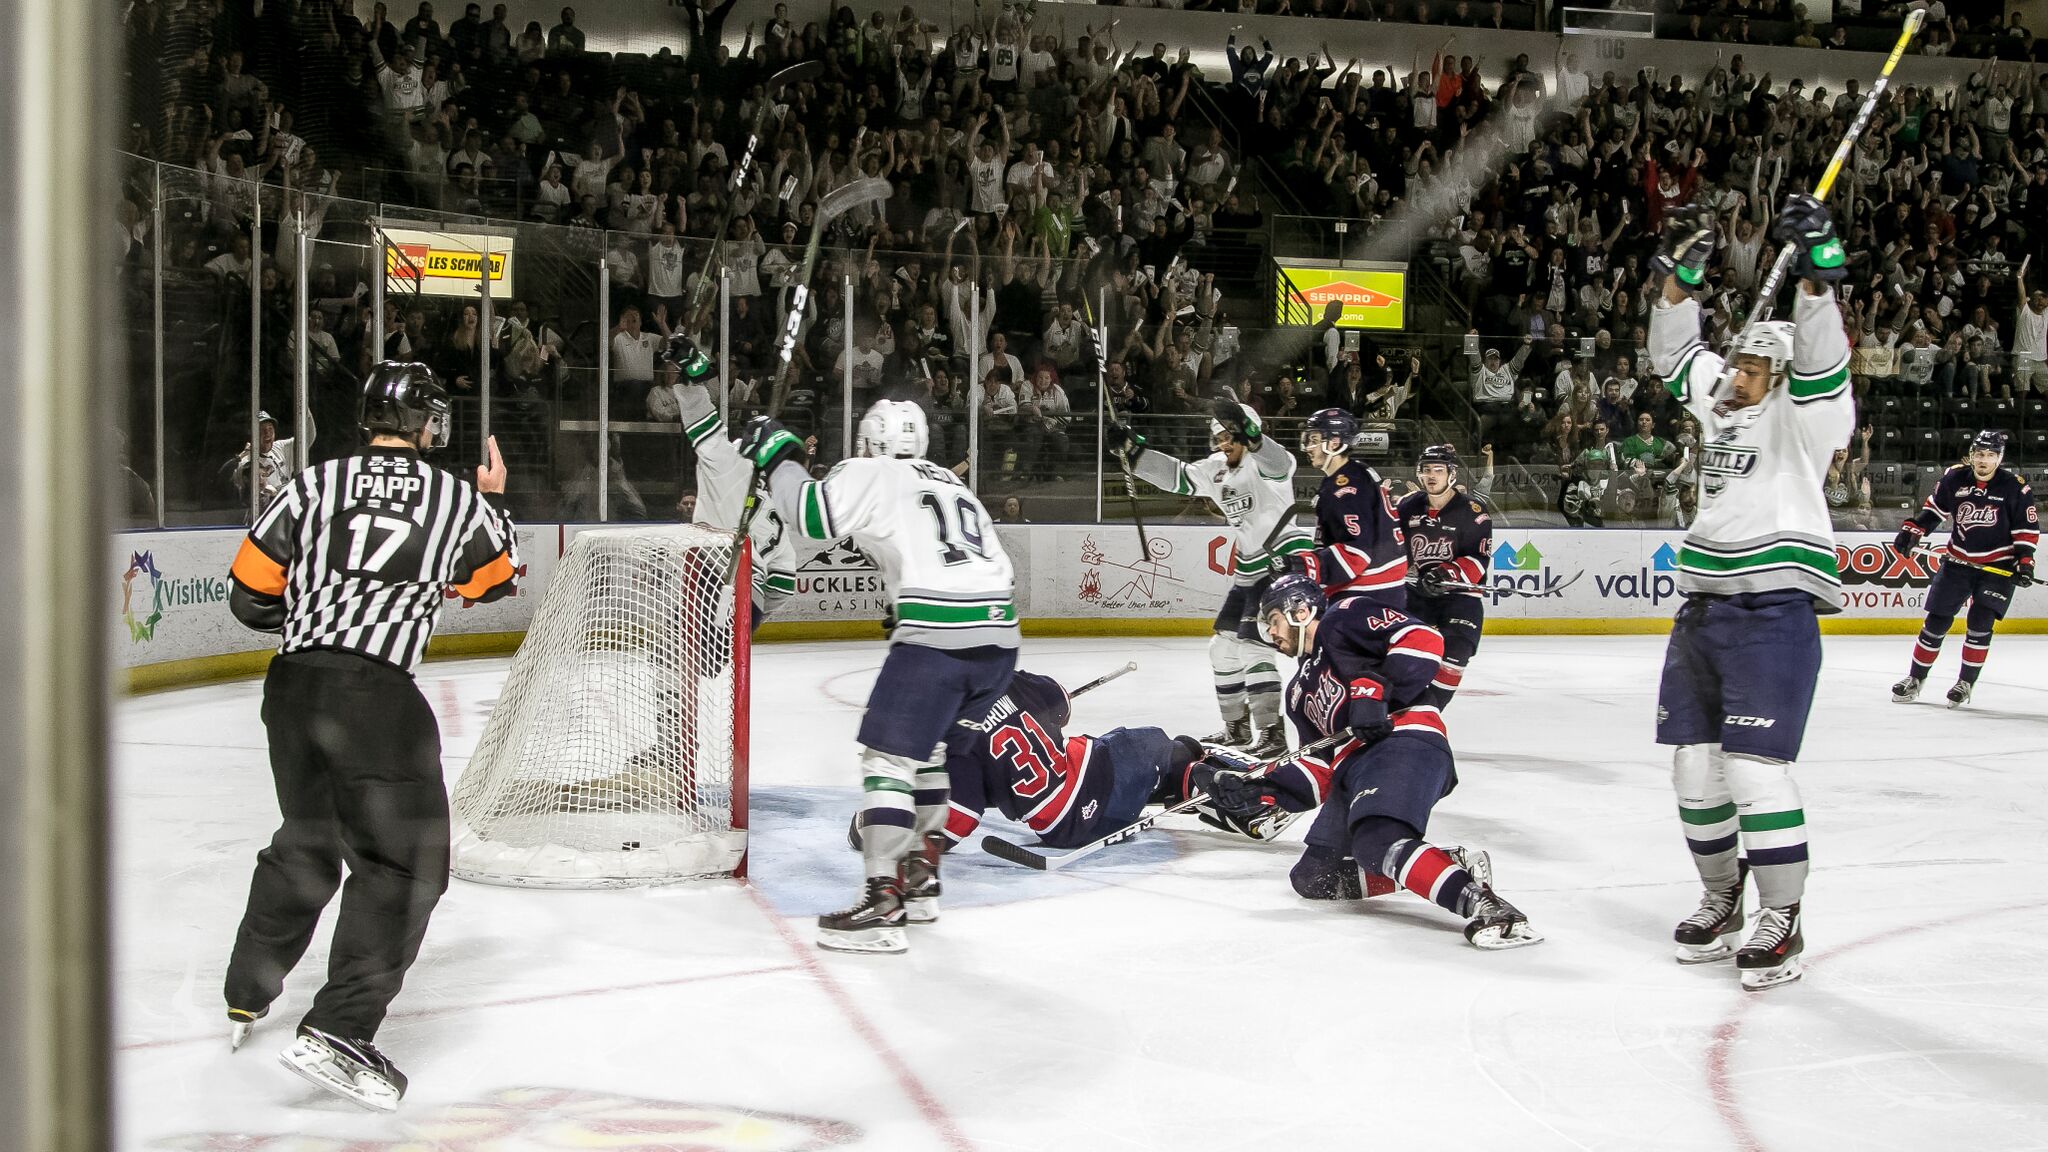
1763 520
722 478
947 574
1254 498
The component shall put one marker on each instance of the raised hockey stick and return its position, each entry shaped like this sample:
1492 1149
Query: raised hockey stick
1766 296
1505 590
1099 681
1101 333
1945 558
794 74
1018 854
838 202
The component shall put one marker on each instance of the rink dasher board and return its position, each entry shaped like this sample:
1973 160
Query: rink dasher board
167 591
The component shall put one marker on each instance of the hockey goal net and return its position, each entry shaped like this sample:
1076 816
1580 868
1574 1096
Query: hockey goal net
616 753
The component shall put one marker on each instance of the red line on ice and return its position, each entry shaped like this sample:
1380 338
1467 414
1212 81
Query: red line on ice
807 958
1720 1082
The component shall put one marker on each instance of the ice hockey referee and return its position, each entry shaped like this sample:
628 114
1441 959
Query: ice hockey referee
349 563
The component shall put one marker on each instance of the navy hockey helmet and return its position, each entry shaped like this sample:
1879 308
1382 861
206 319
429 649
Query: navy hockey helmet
1299 601
688 358
400 398
1989 440
1444 454
1327 424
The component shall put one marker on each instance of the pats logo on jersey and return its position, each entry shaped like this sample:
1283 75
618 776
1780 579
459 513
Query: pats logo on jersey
1970 514
1322 704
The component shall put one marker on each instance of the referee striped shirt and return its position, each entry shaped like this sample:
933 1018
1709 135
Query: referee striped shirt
354 554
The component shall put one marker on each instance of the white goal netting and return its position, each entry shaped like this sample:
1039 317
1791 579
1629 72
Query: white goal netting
611 757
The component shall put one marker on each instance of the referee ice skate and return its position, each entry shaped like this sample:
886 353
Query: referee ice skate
349 563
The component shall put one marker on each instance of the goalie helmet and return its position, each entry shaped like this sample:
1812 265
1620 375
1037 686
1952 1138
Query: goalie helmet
400 398
893 428
1770 340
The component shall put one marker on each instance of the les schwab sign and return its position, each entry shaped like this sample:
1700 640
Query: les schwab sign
1373 295
446 263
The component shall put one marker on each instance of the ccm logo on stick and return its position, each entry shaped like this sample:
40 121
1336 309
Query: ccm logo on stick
1748 721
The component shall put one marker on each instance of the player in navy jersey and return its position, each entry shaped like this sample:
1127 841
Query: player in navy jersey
1359 548
1993 524
1368 669
1450 540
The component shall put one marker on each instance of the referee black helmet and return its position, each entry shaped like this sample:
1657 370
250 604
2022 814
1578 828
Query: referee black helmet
401 397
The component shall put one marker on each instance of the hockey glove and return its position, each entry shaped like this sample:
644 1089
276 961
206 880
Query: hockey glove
1123 444
1908 538
1300 563
768 444
1687 245
1241 425
1805 224
1365 712
1436 579
2023 569
1235 793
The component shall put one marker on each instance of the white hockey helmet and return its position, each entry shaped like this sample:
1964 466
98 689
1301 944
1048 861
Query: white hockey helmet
1771 340
1217 430
893 428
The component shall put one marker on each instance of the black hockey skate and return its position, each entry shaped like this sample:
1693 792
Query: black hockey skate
1235 734
1960 694
1497 924
1709 934
921 882
1908 690
1270 743
242 1021
352 1069
873 925
1771 957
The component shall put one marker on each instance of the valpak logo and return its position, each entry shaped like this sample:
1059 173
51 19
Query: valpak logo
1521 570
1656 583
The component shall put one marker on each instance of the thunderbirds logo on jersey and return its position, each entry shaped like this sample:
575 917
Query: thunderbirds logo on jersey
1725 460
564 1118
1128 580
1521 570
144 603
1655 582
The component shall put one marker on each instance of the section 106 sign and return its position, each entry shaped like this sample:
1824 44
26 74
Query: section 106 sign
1374 295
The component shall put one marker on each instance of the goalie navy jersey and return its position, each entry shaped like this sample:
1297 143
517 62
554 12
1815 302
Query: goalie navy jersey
1016 760
1458 534
1359 543
1988 522
1371 667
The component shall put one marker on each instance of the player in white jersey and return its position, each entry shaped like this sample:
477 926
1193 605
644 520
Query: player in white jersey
1250 479
1757 567
952 644
723 475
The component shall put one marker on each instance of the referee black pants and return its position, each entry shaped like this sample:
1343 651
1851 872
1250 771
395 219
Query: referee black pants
356 757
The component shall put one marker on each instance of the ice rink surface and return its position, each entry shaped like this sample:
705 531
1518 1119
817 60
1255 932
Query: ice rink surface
1173 993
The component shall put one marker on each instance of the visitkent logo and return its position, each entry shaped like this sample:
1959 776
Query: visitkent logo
146 592
1522 570
1656 583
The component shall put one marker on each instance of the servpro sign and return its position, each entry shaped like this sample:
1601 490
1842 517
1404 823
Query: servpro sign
1374 295
446 263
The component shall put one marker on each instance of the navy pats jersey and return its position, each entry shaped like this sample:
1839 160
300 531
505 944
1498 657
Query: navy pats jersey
1989 521
1459 534
1371 667
1016 760
1359 543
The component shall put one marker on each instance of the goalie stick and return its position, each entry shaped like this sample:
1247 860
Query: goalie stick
1945 558
794 74
1002 849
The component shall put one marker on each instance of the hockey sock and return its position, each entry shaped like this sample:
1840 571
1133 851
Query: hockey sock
1976 646
1773 827
1706 809
1227 664
930 790
888 815
1262 692
1927 648
1429 872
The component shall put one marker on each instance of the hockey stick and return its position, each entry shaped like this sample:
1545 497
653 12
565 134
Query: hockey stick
1766 295
1018 854
1945 558
838 202
1505 590
794 74
1099 681
1101 334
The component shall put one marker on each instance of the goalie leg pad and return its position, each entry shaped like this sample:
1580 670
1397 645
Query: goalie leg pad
1773 824
1706 810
